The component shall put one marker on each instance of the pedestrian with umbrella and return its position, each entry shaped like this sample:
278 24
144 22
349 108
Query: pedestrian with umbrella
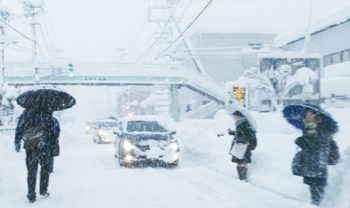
40 131
318 149
244 139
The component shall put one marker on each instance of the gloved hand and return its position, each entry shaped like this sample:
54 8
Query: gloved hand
17 147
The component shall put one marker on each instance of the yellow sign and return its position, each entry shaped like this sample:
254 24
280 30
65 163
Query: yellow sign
240 95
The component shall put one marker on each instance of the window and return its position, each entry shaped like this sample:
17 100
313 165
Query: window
345 55
327 61
144 126
333 58
109 124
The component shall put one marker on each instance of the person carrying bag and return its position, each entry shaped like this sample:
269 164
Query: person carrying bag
242 145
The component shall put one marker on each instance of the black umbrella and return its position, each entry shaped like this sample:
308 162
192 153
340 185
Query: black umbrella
48 97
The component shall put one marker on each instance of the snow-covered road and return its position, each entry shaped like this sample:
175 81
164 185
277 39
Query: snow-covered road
88 175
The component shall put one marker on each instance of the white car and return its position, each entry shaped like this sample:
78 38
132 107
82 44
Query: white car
144 141
103 131
89 127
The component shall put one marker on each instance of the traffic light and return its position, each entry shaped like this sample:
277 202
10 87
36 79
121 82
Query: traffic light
70 71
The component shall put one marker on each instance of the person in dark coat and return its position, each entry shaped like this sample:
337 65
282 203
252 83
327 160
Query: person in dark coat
243 134
55 147
313 158
40 154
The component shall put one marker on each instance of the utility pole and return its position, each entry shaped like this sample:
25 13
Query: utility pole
156 11
34 51
167 24
188 45
31 8
2 53
3 57
5 41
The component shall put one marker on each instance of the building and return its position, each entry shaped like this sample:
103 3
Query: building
225 54
329 36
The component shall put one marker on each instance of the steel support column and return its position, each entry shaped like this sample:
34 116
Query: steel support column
174 88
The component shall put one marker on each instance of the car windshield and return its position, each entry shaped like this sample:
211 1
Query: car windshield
144 126
109 124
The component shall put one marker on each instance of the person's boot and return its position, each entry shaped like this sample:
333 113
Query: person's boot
244 173
31 198
45 194
239 171
317 194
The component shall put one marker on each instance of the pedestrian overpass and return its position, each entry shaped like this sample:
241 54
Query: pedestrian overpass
176 76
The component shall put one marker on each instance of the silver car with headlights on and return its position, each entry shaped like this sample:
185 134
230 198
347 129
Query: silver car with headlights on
89 127
104 131
144 141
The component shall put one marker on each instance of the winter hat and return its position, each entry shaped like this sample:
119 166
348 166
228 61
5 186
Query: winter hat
313 111
237 113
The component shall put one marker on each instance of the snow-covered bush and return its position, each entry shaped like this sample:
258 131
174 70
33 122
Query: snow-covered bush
278 84
9 109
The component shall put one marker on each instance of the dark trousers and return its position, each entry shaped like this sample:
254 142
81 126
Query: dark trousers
35 157
51 164
317 186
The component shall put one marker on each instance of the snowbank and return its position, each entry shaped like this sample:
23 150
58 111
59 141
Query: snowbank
323 22
271 167
338 70
337 80
339 86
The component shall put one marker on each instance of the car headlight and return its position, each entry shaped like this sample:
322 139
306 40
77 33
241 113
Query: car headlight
88 128
176 157
174 146
127 145
101 132
128 157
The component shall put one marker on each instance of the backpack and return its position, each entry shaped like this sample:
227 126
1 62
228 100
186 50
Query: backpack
334 155
34 137
253 141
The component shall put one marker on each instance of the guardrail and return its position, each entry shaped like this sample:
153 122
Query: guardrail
7 130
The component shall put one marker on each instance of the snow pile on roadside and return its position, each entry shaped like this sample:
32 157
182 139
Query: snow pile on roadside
271 167
11 169
338 70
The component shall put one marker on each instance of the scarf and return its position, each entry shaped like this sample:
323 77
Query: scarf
240 120
311 125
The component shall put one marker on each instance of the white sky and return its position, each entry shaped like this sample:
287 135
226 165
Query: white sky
93 30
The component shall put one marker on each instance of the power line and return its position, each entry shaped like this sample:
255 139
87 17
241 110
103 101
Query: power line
183 14
139 28
166 24
135 24
188 5
122 44
16 30
188 27
138 33
45 42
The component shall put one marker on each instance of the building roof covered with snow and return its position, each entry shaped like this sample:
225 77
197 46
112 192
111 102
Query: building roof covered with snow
331 19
